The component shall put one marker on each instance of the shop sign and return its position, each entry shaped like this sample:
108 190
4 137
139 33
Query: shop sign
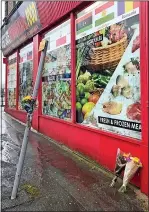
23 24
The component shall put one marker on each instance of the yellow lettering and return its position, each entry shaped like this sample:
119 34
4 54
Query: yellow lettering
31 14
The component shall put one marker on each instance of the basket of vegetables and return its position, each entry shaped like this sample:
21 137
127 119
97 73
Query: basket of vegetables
107 54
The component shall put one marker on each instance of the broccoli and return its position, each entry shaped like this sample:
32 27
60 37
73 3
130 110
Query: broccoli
84 77
89 86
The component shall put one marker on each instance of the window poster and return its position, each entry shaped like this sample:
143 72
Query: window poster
56 78
12 74
108 68
25 73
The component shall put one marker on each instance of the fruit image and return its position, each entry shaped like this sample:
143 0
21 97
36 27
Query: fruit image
86 115
88 107
78 106
80 88
87 95
93 98
78 99
84 77
83 101
89 86
77 93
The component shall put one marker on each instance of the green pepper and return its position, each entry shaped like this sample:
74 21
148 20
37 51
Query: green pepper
96 80
107 80
103 78
98 85
95 76
103 82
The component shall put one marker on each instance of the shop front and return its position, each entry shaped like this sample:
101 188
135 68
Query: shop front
93 94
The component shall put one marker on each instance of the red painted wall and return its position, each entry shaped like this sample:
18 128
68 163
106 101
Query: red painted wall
20 115
100 146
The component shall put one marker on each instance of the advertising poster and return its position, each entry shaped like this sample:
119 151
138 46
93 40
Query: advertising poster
108 69
25 73
56 79
12 71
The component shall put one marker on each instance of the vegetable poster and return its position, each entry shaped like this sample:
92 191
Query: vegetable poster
12 71
56 78
108 78
26 81
25 73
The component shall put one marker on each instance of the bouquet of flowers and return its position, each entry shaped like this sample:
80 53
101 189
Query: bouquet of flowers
121 160
28 104
132 165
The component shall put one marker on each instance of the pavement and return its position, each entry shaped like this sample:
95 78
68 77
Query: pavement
55 178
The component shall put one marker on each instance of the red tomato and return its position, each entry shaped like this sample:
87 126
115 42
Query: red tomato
93 98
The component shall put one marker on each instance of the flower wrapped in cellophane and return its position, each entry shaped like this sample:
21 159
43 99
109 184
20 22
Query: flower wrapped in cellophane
121 160
132 166
28 103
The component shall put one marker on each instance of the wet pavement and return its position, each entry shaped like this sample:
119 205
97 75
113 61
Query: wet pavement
63 181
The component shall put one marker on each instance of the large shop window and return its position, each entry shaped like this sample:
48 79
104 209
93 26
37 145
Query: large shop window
12 75
108 68
56 79
25 72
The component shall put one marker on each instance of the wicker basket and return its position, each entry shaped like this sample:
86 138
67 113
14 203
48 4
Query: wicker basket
108 57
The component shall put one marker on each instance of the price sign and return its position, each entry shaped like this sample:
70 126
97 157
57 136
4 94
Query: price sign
42 45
